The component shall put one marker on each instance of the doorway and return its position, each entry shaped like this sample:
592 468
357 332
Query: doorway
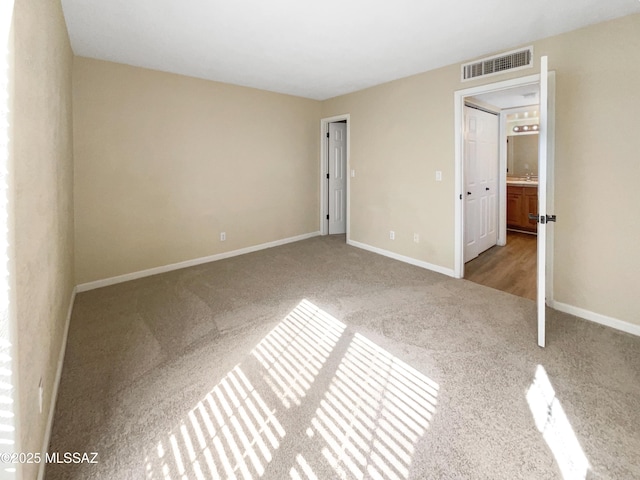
544 261
500 97
335 175
510 266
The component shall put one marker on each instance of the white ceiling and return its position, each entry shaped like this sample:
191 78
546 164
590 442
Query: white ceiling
317 49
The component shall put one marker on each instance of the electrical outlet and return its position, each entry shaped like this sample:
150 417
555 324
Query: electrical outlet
392 235
416 237
223 236
40 395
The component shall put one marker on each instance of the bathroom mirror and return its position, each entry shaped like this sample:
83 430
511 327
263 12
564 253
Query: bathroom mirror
522 155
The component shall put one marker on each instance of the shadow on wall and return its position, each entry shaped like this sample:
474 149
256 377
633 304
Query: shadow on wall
275 415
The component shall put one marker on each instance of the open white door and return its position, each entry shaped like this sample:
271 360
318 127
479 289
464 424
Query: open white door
545 188
337 175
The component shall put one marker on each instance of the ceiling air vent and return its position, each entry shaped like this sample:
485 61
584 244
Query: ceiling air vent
504 62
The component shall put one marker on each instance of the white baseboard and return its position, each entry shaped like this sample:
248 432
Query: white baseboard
627 327
56 384
396 256
83 287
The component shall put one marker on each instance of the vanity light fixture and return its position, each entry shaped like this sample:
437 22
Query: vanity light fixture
525 128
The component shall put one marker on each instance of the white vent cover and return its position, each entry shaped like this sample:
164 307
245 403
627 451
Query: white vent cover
504 62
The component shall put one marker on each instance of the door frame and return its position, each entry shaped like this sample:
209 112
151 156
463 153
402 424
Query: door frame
459 101
324 187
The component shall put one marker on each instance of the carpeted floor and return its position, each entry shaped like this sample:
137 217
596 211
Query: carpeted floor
320 360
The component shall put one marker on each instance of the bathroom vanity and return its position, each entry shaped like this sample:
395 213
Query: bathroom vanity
522 200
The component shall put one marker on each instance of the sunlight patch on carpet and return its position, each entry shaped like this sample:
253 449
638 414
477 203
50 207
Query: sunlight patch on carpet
295 351
372 415
552 422
311 400
231 433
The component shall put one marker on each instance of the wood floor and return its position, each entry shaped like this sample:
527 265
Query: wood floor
511 268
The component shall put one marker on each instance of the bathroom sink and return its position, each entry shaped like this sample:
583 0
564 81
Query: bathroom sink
522 181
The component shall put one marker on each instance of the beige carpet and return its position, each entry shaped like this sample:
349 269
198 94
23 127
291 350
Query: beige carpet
320 360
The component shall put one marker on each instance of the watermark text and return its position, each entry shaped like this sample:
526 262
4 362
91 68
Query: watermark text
49 457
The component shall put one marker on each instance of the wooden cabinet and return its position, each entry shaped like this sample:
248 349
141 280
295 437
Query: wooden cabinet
514 206
530 205
521 201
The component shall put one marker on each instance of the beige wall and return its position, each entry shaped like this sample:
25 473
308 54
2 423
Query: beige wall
597 167
403 131
43 199
164 163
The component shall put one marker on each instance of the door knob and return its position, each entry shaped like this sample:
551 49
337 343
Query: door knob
542 218
487 188
468 193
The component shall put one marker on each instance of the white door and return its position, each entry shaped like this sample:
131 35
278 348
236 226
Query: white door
545 194
337 173
481 158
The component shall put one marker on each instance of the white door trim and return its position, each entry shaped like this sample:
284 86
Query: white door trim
324 193
459 99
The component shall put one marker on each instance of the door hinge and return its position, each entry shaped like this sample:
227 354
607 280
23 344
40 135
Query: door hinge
327 175
460 196
327 216
327 134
